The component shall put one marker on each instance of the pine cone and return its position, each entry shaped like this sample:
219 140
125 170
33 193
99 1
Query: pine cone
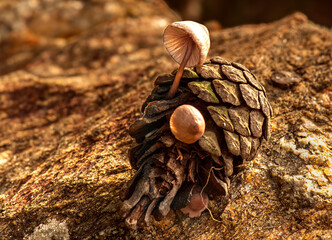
237 115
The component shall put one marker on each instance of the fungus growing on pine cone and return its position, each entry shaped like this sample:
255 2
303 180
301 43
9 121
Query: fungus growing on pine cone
232 105
188 43
197 202
187 124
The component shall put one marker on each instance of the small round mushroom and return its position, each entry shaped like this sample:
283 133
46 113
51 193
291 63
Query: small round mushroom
197 203
188 43
187 124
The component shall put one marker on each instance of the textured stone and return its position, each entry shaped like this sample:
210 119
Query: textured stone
285 79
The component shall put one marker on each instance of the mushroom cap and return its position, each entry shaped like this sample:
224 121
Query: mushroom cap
187 124
177 36
197 203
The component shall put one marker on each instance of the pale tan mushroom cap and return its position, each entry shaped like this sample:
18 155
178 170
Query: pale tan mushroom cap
176 38
187 124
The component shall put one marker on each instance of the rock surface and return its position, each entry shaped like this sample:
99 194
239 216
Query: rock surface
70 88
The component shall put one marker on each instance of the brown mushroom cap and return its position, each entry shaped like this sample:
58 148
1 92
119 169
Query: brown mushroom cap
177 36
187 124
197 203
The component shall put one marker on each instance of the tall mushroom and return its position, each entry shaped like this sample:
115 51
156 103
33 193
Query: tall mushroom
188 43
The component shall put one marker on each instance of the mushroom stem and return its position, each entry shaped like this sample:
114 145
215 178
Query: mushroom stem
178 75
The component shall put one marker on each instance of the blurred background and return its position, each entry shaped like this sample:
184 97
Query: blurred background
28 27
237 12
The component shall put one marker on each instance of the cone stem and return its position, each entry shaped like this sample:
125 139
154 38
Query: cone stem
178 75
